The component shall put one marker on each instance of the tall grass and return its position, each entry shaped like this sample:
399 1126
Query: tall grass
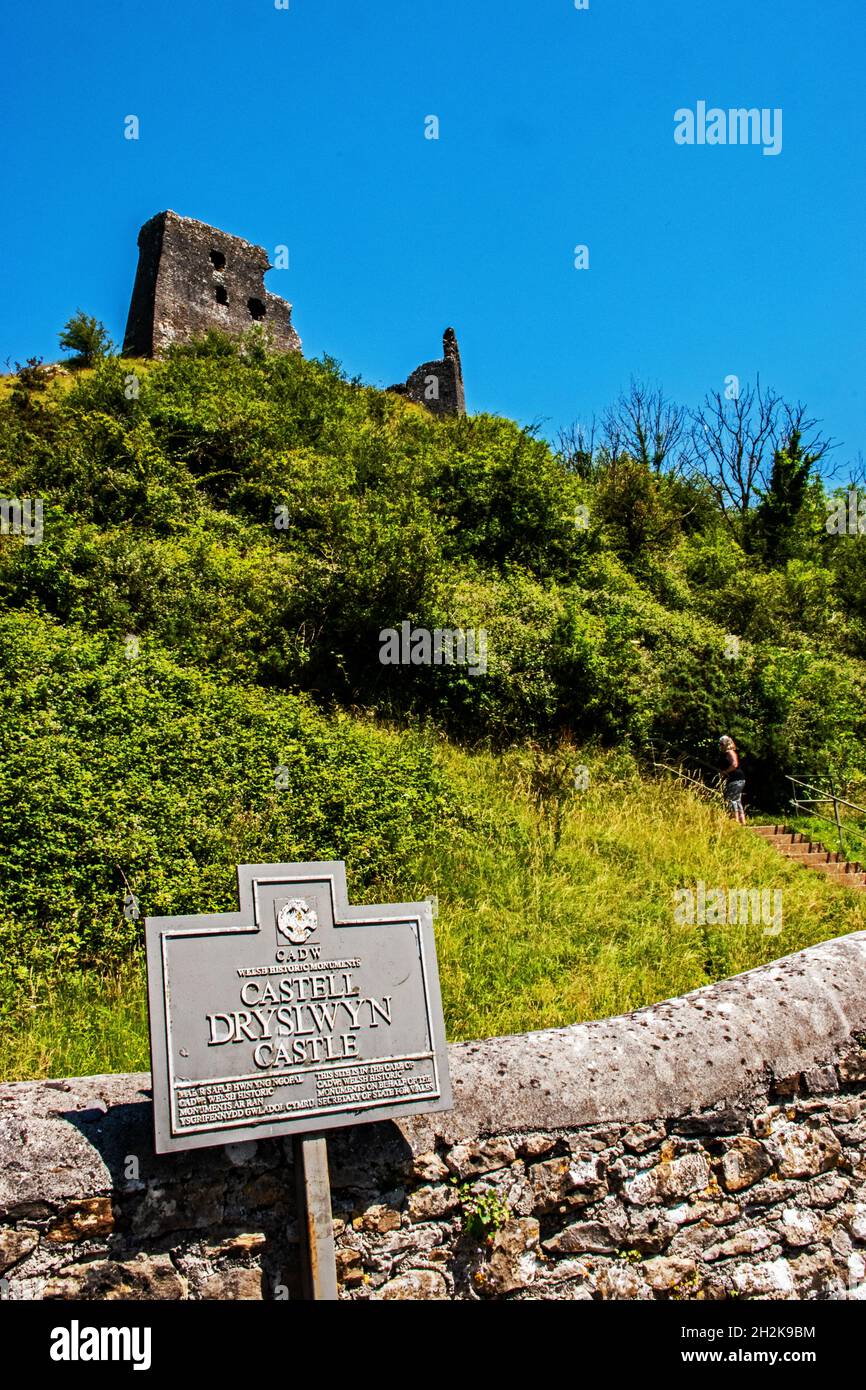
547 919
555 906
78 1025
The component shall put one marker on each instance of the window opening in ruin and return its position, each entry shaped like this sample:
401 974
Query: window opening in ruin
222 294
218 260
256 308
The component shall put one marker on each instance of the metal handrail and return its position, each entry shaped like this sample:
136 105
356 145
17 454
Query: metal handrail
801 802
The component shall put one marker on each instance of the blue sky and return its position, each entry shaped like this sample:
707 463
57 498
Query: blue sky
306 127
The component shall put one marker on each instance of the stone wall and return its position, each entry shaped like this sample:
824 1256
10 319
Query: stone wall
712 1146
192 277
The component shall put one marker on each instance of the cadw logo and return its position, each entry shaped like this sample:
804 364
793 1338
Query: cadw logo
739 125
77 1343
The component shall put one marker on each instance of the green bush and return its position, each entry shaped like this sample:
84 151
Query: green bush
261 519
122 770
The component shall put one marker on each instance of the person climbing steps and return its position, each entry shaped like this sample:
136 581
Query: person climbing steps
733 781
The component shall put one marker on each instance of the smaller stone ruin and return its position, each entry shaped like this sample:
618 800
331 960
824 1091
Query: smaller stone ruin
438 385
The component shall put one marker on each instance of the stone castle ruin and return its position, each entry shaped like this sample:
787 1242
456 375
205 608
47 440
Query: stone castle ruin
192 277
438 385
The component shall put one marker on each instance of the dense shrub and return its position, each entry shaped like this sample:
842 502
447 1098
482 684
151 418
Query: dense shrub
259 518
128 772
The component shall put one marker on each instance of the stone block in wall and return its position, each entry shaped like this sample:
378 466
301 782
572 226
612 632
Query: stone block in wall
799 1226
650 1230
424 1284
747 1242
507 1260
666 1273
432 1203
588 1237
15 1246
474 1160
429 1168
640 1138
145 1277
239 1284
616 1279
716 1211
800 1152
531 1146
86 1220
745 1162
821 1080
670 1179
236 1246
857 1221
774 1279
350 1268
853 1067
575 1182
379 1219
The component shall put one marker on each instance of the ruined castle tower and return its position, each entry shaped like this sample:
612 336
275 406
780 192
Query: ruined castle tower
438 385
192 277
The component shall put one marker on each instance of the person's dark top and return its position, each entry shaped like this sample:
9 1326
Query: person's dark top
729 767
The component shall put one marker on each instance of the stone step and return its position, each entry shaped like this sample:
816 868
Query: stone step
842 874
799 848
779 835
815 854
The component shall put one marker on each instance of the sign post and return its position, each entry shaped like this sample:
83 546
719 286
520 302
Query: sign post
314 1215
294 1015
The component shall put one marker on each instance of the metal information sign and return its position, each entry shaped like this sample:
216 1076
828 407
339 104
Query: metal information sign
296 1014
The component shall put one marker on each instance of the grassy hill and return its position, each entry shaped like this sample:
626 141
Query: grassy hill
553 908
191 679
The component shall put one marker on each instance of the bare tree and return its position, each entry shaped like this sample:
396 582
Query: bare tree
734 438
649 427
850 475
575 444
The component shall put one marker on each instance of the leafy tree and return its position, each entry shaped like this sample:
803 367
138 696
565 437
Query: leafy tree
784 499
87 338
